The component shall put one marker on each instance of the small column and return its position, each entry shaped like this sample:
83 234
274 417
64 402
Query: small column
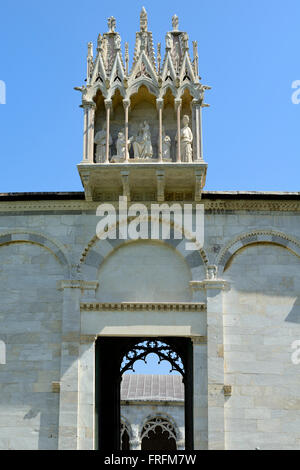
126 104
108 106
88 132
159 105
197 118
214 289
85 139
178 111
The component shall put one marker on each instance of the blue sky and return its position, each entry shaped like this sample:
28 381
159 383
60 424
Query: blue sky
249 54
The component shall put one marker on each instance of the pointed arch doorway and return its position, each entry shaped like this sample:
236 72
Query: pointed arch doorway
115 355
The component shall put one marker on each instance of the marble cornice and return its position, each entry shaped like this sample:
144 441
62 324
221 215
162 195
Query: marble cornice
217 206
144 306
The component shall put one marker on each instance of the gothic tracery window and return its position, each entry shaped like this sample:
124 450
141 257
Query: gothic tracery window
158 434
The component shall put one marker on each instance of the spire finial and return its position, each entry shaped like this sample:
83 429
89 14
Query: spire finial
175 22
111 22
143 20
126 57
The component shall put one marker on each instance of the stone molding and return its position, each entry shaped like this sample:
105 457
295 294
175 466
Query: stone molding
253 237
145 306
77 284
218 206
55 387
153 402
87 339
219 284
196 340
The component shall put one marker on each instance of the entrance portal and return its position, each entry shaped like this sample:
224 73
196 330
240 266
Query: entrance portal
114 356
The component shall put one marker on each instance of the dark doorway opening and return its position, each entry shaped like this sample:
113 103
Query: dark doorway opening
110 365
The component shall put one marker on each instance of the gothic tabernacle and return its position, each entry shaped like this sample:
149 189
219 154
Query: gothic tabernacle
149 114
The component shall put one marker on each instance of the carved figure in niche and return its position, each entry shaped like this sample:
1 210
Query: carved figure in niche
166 145
121 145
118 42
211 272
168 41
141 143
100 141
186 140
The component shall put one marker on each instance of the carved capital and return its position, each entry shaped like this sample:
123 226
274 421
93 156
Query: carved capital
178 103
108 104
126 103
227 390
196 103
88 104
159 103
197 340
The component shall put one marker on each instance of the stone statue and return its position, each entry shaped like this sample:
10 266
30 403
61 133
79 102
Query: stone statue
100 141
111 22
186 140
168 41
141 143
175 22
211 272
166 145
117 41
121 145
143 20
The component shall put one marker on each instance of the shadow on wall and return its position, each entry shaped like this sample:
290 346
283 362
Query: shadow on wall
269 274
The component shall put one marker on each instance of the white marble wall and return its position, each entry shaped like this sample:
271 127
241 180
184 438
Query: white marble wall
261 320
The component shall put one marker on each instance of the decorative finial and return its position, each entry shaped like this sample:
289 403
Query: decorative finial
111 22
126 57
185 40
196 58
99 42
175 22
158 56
89 61
90 50
143 20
